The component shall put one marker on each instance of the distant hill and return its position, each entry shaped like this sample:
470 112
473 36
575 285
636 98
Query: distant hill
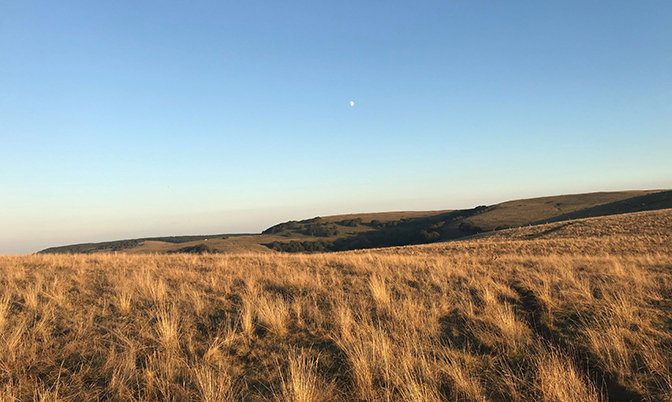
122 245
387 229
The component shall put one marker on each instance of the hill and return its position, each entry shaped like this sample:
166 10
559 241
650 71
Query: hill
390 229
124 245
568 311
645 202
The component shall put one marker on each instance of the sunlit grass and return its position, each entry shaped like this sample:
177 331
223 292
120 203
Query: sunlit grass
561 318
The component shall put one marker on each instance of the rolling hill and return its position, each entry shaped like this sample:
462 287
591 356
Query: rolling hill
389 229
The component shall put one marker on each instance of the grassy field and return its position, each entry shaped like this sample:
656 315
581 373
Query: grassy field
569 311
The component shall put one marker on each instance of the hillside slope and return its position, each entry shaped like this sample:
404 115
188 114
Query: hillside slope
526 211
390 229
646 202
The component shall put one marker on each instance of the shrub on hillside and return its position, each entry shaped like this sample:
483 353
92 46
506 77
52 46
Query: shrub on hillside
469 228
322 230
295 246
281 227
388 224
351 222
430 237
197 249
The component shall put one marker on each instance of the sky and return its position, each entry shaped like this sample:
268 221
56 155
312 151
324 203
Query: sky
129 119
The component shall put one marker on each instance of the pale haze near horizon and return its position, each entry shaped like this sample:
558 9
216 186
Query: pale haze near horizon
139 119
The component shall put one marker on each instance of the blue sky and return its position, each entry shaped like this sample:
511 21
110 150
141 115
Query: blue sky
141 118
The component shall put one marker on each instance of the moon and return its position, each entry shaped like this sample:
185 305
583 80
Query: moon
352 103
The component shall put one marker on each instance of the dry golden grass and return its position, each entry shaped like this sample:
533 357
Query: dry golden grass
580 312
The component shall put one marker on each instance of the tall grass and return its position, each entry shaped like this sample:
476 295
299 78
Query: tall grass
580 315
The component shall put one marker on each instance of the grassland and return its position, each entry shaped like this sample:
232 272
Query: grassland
568 311
372 230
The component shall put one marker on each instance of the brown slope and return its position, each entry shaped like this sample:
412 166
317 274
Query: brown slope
527 211
635 233
647 202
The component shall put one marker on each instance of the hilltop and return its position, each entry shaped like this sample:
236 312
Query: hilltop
389 229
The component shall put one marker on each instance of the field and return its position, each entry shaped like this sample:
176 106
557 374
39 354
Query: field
569 311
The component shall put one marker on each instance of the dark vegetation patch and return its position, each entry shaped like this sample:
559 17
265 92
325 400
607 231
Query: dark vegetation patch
321 230
197 249
351 222
469 228
282 227
295 246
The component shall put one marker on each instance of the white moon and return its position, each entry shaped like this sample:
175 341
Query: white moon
352 103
